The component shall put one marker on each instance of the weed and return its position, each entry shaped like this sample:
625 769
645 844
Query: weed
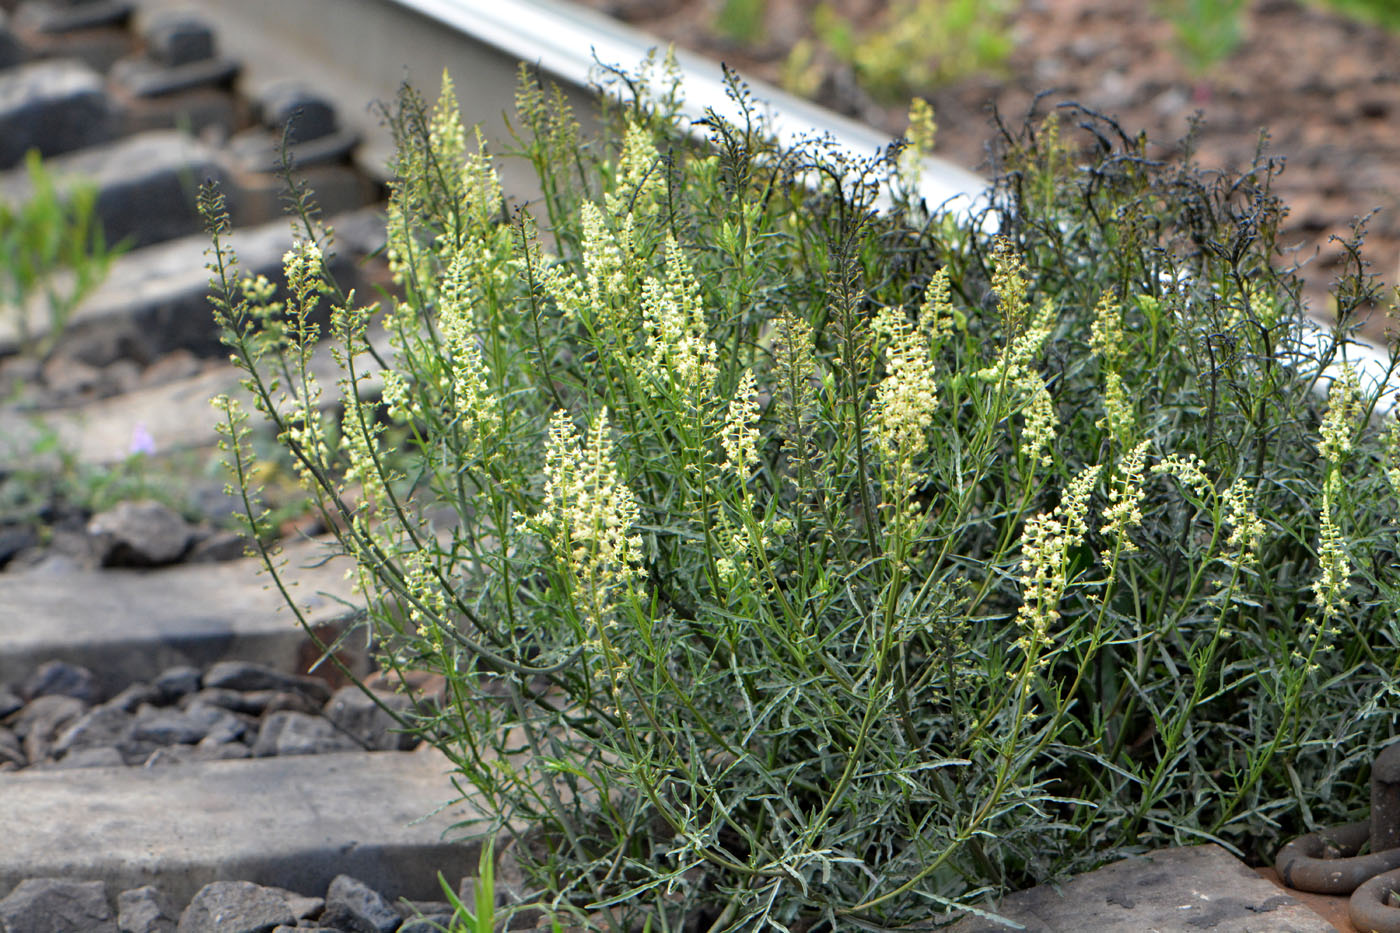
791 562
1207 31
741 20
51 245
918 45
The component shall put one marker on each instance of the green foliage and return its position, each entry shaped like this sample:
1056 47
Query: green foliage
1207 31
483 918
741 20
51 245
918 45
1377 12
797 564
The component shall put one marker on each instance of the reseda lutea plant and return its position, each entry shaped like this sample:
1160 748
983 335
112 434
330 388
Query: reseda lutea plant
795 565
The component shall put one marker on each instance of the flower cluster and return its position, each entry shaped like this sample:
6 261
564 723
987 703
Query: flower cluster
470 391
679 352
937 316
1334 443
589 514
1107 343
1187 471
919 137
907 397
1334 566
1046 542
360 431
1390 445
603 294
1124 510
640 184
1246 530
1027 336
1339 423
741 436
1009 283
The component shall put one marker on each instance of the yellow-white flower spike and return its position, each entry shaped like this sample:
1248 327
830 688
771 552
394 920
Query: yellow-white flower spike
936 315
1125 496
1339 423
679 351
1120 417
1009 283
1390 444
589 512
740 436
1246 530
1334 566
1046 542
1187 471
457 321
1106 333
906 399
1038 433
641 180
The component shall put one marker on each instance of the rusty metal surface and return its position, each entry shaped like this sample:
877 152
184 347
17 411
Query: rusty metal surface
1330 861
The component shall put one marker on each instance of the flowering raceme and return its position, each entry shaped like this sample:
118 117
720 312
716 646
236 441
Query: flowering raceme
679 353
1046 542
589 514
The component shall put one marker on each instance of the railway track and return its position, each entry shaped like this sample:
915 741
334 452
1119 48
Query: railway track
147 98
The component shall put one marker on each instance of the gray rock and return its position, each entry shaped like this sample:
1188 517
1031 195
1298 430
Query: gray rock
1190 888
218 696
59 678
220 725
302 906
176 682
68 379
100 756
15 538
140 534
10 749
354 906
101 726
183 727
51 712
262 702
12 51
358 715
425 916
144 910
218 546
235 907
50 905
311 116
145 185
60 16
133 695
215 751
290 733
409 908
9 703
179 38
39 723
53 106
246 676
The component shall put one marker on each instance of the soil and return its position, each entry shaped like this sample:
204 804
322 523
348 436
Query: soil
1326 87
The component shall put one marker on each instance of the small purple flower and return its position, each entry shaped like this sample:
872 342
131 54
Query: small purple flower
141 440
